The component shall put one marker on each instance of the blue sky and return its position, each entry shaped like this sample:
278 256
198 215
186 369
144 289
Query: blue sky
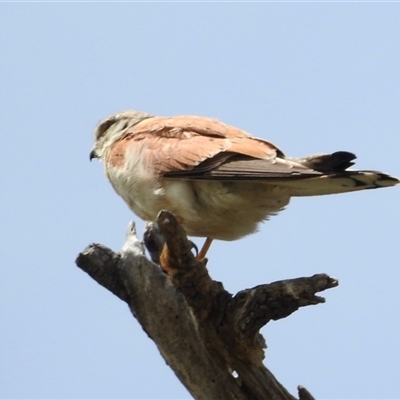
310 77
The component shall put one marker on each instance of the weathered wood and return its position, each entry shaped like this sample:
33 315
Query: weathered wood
209 337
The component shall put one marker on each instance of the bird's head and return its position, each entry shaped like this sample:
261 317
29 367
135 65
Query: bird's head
113 128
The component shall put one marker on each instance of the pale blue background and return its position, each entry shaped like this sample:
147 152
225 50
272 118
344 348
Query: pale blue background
311 77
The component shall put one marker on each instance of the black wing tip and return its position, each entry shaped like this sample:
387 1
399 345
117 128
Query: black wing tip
338 161
341 160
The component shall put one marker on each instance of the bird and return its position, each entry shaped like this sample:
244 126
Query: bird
219 181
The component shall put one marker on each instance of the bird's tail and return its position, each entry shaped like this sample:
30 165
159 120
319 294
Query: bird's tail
314 175
338 182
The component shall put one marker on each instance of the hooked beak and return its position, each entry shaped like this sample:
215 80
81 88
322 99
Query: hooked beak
93 154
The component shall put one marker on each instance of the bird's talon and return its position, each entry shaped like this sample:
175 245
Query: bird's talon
193 246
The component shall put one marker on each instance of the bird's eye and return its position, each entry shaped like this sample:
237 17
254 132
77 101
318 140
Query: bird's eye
104 127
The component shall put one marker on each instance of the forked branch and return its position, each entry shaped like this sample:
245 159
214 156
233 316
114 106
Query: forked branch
208 337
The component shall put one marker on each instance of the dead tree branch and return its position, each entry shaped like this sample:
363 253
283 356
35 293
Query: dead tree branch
209 337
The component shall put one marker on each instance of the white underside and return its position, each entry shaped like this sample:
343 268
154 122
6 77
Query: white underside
219 210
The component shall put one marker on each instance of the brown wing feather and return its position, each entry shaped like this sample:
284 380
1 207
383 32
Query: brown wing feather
202 148
181 143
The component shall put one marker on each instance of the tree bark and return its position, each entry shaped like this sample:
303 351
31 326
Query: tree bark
209 337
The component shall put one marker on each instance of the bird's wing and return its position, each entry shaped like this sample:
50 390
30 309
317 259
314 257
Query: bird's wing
182 144
202 148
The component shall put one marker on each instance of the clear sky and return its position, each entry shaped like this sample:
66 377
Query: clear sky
310 77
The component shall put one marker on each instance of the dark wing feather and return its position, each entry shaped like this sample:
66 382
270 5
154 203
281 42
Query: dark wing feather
230 166
226 166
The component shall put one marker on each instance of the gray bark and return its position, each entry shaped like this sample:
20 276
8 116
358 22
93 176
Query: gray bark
209 337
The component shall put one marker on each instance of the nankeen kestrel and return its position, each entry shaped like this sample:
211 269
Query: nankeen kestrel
219 181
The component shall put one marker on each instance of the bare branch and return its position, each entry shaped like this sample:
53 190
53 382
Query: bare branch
257 306
208 337
304 394
101 263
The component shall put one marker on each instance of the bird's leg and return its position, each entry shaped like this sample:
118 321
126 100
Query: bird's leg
166 260
202 254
